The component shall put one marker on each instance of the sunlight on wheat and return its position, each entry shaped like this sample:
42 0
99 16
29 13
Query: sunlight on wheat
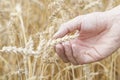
27 48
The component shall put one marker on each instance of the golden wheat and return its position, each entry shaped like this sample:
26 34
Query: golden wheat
26 44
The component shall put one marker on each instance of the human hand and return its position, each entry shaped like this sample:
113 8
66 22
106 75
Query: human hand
99 38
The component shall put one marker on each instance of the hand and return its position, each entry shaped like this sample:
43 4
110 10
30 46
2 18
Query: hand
99 38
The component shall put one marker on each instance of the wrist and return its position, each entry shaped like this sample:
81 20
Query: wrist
113 15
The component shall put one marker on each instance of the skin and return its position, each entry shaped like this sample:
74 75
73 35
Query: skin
99 37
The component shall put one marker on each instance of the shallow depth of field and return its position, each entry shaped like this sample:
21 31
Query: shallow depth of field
26 29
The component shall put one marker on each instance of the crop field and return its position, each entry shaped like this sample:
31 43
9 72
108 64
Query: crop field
26 44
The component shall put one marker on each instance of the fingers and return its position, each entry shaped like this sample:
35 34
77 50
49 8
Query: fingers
65 52
61 52
77 53
69 52
73 53
74 24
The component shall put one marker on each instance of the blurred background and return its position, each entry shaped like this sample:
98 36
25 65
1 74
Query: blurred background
26 26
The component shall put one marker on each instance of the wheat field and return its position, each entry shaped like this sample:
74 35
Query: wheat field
26 45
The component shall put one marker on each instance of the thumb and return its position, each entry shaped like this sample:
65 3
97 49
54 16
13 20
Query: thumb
70 26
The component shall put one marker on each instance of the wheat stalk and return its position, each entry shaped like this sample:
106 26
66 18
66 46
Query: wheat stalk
31 54
29 50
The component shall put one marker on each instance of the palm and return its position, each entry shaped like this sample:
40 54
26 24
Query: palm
93 44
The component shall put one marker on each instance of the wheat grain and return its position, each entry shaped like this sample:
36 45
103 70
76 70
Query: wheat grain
27 50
